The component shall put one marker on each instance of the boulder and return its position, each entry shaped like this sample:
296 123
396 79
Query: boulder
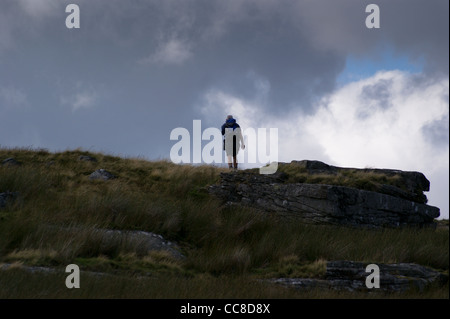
86 158
101 174
10 162
139 242
143 242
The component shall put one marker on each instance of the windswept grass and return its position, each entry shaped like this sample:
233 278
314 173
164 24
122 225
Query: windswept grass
54 221
366 179
346 177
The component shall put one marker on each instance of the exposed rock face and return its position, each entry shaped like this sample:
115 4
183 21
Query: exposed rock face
414 183
351 276
101 174
330 204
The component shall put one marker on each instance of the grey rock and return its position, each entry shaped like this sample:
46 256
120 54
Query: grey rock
101 174
31 269
141 241
11 162
351 276
86 158
133 241
415 183
46 270
50 163
327 204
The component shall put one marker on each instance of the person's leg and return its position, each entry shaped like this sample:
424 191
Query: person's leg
230 165
235 151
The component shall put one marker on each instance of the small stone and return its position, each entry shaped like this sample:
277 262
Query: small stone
86 158
10 162
101 174
50 163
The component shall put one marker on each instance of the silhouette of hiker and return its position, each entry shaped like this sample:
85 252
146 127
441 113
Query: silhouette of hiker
232 140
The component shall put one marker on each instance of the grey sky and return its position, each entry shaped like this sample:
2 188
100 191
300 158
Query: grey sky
137 69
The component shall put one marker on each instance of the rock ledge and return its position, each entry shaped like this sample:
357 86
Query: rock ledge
389 206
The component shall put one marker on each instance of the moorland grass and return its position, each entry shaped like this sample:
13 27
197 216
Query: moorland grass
53 223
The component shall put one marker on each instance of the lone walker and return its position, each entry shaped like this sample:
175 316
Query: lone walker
233 139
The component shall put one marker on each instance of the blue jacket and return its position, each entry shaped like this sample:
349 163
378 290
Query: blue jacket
230 123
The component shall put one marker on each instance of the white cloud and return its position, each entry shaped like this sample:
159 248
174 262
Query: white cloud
12 97
386 136
220 104
20 18
39 8
174 51
84 99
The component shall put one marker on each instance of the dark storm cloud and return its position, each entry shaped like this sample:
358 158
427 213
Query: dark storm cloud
218 45
421 28
137 69
417 29
297 47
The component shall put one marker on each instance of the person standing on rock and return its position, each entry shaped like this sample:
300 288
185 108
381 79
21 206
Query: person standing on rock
233 140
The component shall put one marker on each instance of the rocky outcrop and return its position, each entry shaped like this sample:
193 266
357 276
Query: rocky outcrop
388 206
352 276
413 184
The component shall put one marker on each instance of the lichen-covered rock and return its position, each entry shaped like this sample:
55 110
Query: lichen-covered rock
351 276
328 204
413 183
